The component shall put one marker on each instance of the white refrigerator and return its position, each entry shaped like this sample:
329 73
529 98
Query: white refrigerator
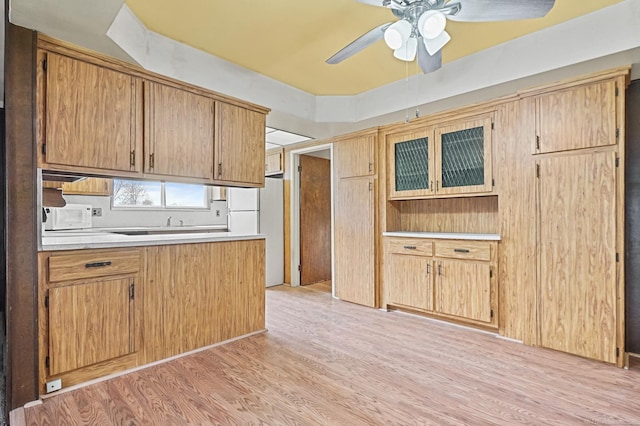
261 211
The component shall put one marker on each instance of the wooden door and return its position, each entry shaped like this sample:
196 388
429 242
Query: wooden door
179 132
411 164
577 243
463 289
91 116
315 220
410 279
355 241
463 163
354 157
240 141
581 117
89 323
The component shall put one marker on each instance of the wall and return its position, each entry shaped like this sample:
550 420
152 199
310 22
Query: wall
216 215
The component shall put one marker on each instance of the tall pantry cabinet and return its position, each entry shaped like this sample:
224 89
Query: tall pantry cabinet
355 233
578 154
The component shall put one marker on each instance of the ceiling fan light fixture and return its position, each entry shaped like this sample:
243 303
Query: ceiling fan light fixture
432 24
407 52
397 34
435 44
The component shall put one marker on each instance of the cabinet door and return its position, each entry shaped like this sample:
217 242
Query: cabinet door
411 164
354 157
577 222
240 140
88 186
179 132
273 163
411 281
464 157
90 116
90 323
463 289
582 117
355 241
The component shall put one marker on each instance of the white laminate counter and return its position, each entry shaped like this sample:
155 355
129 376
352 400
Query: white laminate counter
444 235
52 240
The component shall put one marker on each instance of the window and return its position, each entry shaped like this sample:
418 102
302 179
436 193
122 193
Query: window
158 195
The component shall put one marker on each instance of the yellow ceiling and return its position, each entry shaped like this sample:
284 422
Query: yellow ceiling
289 40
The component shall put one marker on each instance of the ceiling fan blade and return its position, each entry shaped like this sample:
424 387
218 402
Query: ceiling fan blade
428 63
362 42
381 3
500 10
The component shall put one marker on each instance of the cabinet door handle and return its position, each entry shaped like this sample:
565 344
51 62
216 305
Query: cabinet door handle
428 269
440 269
410 247
97 264
461 250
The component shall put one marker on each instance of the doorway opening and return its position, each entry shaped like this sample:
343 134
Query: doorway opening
312 217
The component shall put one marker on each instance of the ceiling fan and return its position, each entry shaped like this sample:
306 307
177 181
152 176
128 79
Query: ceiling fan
420 29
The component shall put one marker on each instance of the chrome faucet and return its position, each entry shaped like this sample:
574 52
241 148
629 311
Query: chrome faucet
169 221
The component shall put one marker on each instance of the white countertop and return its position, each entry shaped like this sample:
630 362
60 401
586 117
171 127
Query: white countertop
91 239
444 235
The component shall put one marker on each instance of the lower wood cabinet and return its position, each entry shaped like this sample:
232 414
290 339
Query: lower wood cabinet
453 279
104 311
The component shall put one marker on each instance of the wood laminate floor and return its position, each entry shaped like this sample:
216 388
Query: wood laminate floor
326 362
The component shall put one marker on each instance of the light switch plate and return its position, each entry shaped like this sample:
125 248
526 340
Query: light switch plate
54 385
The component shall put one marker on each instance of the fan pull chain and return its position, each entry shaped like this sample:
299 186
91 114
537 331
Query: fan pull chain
406 79
417 90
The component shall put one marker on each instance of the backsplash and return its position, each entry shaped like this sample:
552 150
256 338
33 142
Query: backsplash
118 218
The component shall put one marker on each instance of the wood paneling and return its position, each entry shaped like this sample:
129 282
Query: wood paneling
464 250
632 214
79 265
200 294
355 156
471 215
425 373
515 181
354 279
240 137
21 216
463 289
179 137
577 244
315 219
580 117
90 115
89 323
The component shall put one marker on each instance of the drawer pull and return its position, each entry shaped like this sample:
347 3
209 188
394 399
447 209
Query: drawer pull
461 250
97 264
410 247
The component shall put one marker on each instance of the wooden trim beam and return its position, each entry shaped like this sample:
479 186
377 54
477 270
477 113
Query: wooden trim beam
21 215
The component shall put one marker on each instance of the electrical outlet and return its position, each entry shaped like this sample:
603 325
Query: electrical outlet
96 211
218 213
54 385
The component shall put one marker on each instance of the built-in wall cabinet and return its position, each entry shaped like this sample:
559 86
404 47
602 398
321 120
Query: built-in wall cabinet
440 160
104 117
355 218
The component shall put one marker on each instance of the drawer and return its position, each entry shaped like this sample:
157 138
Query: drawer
415 246
68 267
459 249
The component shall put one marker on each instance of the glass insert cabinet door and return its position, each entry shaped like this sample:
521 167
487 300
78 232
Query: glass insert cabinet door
464 157
411 164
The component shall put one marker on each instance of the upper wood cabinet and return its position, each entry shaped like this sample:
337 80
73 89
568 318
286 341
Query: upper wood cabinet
447 160
240 145
274 162
91 118
88 186
355 156
179 126
579 117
